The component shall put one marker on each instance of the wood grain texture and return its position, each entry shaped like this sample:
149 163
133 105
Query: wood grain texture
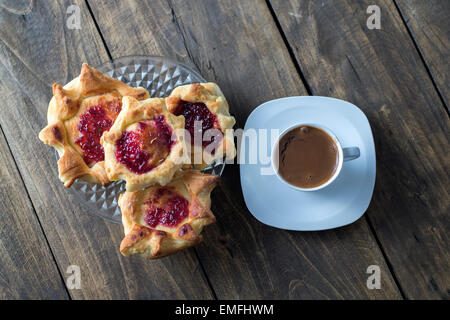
381 72
27 268
36 50
237 45
429 24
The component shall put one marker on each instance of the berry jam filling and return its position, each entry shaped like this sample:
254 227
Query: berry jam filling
166 207
92 124
197 111
146 147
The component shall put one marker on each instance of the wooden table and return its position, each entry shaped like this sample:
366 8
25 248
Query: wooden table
256 51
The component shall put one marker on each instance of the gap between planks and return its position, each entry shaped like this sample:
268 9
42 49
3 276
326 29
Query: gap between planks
422 58
97 27
309 90
37 216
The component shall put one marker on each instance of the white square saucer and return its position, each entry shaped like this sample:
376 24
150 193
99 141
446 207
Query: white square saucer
344 201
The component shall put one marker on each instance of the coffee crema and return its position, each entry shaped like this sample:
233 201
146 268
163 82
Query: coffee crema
308 157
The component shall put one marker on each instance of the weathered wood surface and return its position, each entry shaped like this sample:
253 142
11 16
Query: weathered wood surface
36 50
238 45
382 73
27 268
429 24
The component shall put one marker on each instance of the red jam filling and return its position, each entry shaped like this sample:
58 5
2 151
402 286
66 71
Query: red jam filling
92 124
145 148
166 207
197 111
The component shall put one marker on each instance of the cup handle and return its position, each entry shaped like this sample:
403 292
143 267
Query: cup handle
351 153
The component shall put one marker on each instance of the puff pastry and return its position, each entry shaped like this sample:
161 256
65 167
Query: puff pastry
145 145
204 102
159 221
78 114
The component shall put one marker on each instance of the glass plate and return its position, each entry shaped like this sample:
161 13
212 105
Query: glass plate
159 75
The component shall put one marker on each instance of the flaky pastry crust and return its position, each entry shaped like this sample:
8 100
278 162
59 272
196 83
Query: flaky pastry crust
161 240
134 111
210 94
67 105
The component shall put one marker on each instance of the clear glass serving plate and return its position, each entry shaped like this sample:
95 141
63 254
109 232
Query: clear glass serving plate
159 75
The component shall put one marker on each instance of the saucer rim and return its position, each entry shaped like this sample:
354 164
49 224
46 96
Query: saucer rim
372 144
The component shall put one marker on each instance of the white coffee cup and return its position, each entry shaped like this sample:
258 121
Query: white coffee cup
344 154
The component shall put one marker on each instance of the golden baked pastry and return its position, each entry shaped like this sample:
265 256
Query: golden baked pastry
159 221
78 114
145 145
204 102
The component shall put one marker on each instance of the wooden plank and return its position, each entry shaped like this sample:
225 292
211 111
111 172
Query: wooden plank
237 45
27 268
36 50
429 25
381 72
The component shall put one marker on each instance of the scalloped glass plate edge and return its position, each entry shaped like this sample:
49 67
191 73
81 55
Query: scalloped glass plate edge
159 75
